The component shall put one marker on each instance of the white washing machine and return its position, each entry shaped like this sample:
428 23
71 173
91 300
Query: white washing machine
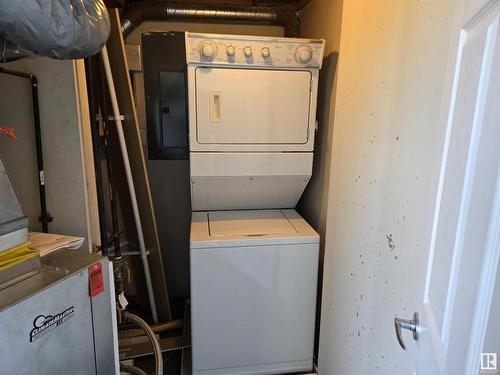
253 292
254 260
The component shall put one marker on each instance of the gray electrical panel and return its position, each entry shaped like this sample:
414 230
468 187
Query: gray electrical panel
164 58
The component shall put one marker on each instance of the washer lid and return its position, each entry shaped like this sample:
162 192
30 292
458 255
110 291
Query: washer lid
217 229
248 223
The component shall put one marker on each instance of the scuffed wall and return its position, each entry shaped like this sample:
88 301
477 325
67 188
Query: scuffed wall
322 19
60 116
386 152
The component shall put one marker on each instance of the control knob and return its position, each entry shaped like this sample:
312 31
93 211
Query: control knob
230 51
247 51
303 54
208 50
265 52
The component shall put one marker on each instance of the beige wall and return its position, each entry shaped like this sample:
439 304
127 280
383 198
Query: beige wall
322 19
386 152
61 117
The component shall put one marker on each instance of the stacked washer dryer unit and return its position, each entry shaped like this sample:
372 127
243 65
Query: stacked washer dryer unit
254 260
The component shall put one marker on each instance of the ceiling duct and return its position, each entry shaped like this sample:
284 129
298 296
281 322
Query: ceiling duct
62 29
163 10
11 52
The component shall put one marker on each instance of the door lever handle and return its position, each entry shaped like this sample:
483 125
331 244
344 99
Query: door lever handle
412 325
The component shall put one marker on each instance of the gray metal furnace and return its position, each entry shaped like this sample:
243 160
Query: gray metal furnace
62 320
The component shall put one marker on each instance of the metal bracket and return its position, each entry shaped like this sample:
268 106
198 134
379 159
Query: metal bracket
110 117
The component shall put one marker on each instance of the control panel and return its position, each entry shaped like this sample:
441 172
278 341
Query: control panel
216 49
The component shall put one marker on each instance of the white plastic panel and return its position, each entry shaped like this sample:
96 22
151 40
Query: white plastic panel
248 223
216 105
283 52
253 306
202 237
227 181
233 193
246 106
253 309
251 164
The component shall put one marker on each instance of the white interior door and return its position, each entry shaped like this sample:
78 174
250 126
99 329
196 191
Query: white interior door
459 316
247 106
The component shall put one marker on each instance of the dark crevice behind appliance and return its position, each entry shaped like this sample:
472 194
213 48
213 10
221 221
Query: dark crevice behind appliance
164 58
164 67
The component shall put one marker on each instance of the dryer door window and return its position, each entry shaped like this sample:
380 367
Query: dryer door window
247 106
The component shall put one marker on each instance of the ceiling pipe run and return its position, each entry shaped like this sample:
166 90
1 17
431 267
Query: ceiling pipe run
163 10
296 5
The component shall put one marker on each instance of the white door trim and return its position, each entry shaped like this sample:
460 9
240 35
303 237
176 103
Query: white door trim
488 278
484 81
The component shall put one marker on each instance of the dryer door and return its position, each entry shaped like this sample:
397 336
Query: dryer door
250 106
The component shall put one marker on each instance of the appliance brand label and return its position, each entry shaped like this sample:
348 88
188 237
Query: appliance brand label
44 324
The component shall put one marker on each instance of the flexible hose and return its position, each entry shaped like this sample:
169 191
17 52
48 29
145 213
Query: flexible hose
132 369
149 332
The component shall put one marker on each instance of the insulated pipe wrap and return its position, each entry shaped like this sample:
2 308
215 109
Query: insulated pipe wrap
63 29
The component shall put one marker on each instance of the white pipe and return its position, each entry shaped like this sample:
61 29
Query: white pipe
130 182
